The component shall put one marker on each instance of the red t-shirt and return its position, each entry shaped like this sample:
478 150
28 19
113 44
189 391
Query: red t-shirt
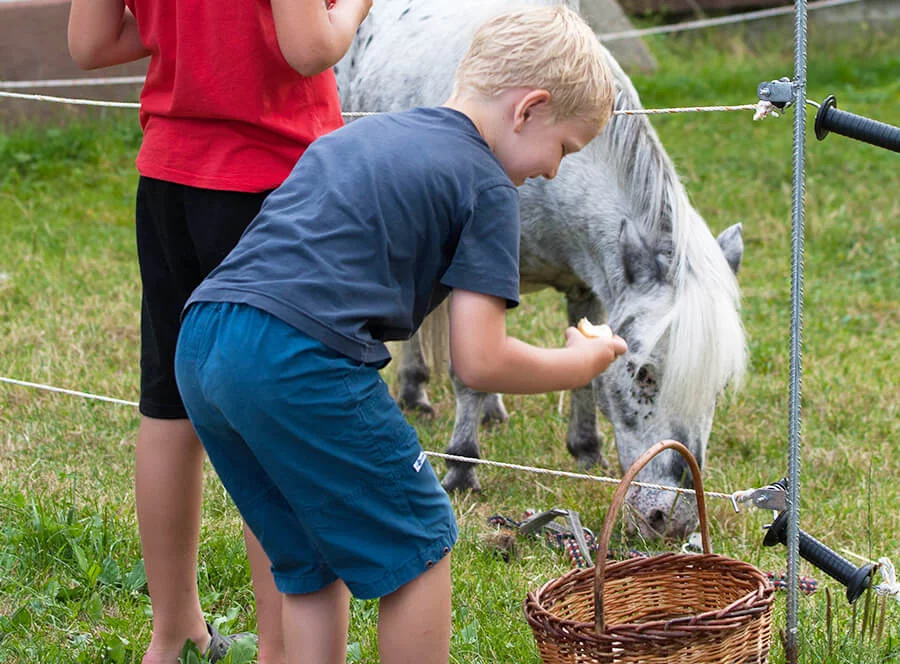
221 108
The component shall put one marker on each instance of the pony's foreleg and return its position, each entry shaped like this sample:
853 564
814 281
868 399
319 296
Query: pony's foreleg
583 439
464 440
413 374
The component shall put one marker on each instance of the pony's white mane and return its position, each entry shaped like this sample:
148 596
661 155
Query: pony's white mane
706 342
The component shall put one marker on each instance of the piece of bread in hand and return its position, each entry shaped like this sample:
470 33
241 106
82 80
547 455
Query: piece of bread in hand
588 329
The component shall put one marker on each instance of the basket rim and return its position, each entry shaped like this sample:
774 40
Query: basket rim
754 602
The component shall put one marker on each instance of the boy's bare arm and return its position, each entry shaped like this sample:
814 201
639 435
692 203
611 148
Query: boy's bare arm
314 34
103 33
486 359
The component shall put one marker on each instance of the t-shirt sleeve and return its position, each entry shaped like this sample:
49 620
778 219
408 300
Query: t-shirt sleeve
487 255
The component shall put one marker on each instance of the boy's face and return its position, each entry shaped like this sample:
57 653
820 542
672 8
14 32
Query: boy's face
534 144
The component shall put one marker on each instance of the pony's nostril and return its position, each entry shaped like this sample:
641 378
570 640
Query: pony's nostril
657 521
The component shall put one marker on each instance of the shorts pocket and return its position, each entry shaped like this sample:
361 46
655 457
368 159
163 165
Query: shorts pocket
380 422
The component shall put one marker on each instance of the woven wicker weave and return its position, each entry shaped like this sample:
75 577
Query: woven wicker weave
684 608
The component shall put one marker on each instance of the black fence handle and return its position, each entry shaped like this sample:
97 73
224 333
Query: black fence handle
829 118
856 579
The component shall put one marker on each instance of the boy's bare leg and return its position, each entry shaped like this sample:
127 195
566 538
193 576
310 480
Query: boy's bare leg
315 625
414 621
268 603
168 493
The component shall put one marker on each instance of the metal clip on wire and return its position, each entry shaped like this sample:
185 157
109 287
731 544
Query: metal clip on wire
779 93
770 497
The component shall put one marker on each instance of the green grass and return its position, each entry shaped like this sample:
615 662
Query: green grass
72 587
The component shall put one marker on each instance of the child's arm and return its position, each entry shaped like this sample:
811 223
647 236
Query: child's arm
486 359
314 34
103 33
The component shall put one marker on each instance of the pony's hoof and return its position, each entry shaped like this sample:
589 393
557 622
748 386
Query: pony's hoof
493 412
420 408
586 447
586 462
461 478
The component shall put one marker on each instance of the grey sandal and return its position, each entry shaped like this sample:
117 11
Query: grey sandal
219 644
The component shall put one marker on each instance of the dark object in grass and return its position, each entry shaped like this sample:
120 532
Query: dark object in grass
501 542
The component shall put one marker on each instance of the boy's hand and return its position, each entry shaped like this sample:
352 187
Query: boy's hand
601 348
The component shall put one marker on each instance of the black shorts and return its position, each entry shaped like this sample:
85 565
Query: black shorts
182 234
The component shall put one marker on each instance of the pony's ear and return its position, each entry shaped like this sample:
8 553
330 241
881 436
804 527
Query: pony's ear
639 263
731 240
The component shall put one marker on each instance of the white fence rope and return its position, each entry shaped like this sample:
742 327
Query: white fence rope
355 115
448 457
69 100
72 82
74 393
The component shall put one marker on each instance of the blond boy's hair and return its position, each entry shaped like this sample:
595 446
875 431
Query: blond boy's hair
545 47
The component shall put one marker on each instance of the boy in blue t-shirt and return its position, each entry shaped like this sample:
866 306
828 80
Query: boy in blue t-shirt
280 347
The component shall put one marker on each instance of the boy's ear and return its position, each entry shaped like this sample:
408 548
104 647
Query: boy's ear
526 105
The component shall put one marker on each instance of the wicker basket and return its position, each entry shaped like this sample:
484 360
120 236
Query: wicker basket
673 607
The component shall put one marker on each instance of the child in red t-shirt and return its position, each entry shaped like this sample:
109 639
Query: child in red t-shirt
235 92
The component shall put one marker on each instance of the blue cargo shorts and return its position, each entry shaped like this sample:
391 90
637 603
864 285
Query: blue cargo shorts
315 453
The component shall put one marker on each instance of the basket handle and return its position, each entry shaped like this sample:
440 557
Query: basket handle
615 505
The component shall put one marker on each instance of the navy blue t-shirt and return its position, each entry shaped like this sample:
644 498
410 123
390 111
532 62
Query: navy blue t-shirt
373 228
